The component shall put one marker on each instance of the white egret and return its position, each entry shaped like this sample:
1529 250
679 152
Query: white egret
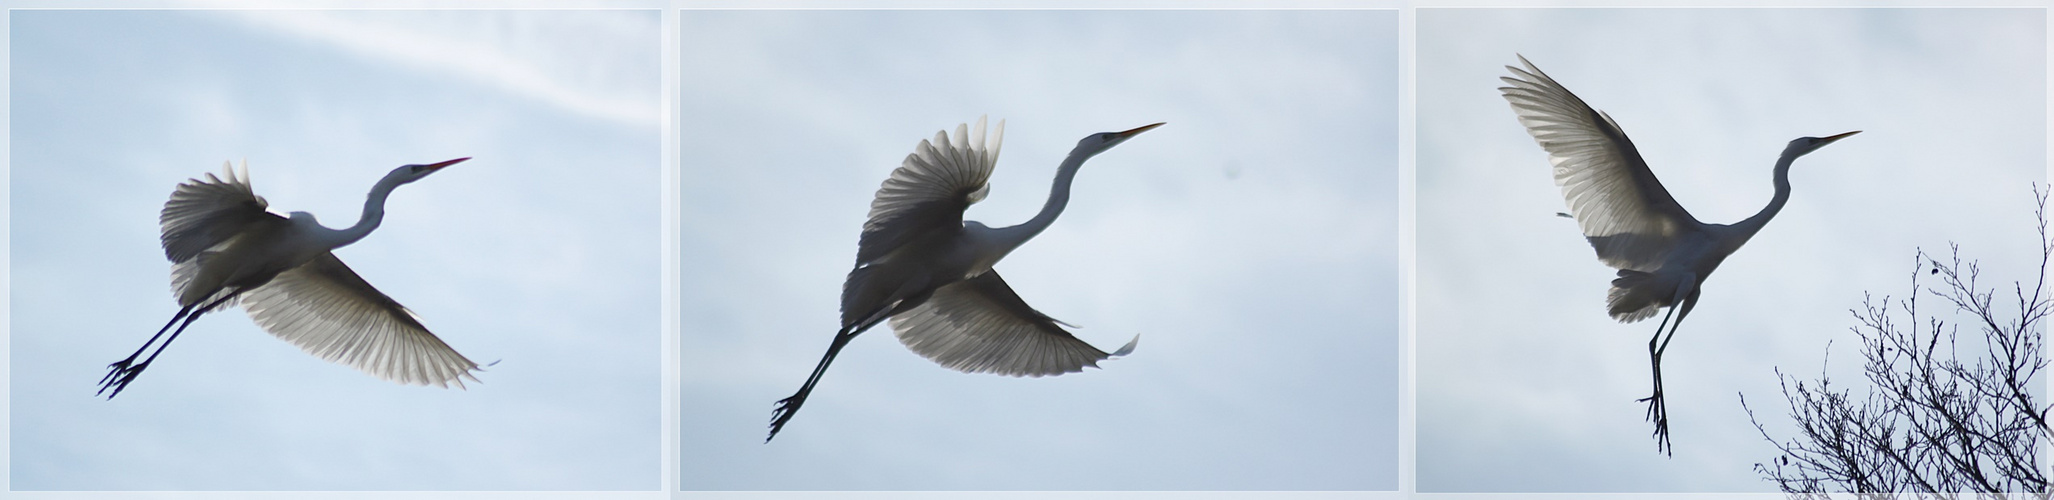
921 265
226 249
1663 254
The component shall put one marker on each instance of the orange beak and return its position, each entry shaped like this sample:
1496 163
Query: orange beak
1143 128
438 166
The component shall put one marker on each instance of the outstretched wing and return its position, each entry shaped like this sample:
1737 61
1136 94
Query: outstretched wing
930 190
330 312
980 325
202 217
204 213
1623 210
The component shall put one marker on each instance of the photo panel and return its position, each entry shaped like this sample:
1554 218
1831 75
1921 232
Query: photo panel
1522 372
538 258
1250 242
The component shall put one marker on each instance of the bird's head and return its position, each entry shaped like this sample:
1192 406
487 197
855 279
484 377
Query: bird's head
1802 145
409 173
1097 143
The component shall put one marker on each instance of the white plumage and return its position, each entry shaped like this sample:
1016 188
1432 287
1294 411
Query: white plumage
1662 253
226 249
919 264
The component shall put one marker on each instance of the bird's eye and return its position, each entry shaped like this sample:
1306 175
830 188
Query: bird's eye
414 168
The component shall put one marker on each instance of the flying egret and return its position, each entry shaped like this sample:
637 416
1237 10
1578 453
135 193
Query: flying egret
1663 254
928 270
226 249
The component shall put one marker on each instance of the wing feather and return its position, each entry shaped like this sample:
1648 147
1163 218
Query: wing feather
980 326
930 189
328 311
202 218
203 214
1625 213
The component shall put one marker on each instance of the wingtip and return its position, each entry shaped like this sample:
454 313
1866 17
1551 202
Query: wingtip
962 140
1126 349
979 140
997 140
470 374
1529 71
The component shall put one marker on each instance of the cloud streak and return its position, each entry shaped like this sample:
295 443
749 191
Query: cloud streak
522 58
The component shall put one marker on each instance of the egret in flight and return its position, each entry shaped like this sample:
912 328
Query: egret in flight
1663 254
226 249
921 265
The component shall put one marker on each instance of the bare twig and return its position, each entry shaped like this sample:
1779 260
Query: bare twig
1933 424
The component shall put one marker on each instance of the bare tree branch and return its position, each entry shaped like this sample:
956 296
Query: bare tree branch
1939 420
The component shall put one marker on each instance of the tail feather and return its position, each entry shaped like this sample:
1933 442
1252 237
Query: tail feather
1635 296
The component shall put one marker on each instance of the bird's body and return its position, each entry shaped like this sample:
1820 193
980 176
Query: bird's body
226 249
928 271
1661 252
917 268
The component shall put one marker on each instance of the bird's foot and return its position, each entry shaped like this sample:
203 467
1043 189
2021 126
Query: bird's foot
1658 413
116 368
783 413
119 375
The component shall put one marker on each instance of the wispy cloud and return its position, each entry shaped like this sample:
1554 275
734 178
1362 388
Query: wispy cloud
501 53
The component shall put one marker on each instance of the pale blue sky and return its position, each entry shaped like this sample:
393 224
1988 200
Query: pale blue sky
1252 242
1521 373
541 253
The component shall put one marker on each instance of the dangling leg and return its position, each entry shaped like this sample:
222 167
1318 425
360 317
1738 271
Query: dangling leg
1689 302
912 297
1657 406
1657 412
119 366
120 373
789 406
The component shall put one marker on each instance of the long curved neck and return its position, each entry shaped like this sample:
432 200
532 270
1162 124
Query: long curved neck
1782 179
1058 197
374 213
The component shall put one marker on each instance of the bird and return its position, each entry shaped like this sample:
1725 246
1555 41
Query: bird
1661 252
919 264
226 249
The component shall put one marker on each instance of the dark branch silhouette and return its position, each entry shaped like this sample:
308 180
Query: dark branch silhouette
1942 417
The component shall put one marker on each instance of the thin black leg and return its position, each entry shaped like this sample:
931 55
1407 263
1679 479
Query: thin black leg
121 373
790 406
